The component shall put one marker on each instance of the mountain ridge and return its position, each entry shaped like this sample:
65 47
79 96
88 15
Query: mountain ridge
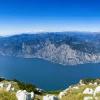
67 48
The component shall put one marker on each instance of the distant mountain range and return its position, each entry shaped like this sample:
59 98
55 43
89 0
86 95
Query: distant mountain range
67 48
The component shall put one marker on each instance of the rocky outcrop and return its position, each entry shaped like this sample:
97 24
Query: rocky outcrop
24 95
65 55
50 97
20 94
88 91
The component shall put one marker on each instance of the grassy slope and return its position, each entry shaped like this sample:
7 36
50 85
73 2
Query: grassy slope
4 95
71 94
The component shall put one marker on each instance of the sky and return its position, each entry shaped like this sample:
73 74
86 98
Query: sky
18 16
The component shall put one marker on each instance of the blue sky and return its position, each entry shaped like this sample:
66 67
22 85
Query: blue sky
18 16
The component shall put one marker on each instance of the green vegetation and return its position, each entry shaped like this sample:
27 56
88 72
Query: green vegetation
27 87
1 79
88 80
78 96
91 80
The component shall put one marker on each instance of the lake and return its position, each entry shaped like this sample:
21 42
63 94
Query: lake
44 74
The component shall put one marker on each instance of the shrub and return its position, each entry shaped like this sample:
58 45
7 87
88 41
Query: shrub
1 79
88 80
27 87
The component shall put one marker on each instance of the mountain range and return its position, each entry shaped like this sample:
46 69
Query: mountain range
67 48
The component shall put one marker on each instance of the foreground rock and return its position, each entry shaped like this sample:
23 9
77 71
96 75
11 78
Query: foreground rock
24 95
12 87
50 97
88 91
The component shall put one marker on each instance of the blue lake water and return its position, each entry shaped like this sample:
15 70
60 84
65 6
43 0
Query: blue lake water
44 74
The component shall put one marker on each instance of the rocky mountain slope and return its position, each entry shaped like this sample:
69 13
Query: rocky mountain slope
67 48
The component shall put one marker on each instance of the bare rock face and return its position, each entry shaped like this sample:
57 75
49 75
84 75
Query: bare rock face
65 55
67 48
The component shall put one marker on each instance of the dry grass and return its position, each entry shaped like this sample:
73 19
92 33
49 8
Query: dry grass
4 95
38 97
77 94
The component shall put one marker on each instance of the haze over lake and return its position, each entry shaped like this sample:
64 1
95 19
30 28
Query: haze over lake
44 74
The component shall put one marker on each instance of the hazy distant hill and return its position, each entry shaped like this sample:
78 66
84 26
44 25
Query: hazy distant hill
60 47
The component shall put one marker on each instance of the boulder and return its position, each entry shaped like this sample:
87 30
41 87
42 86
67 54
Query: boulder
13 89
62 94
88 91
81 83
8 87
32 95
97 90
95 84
50 97
39 90
1 85
24 95
90 84
76 87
